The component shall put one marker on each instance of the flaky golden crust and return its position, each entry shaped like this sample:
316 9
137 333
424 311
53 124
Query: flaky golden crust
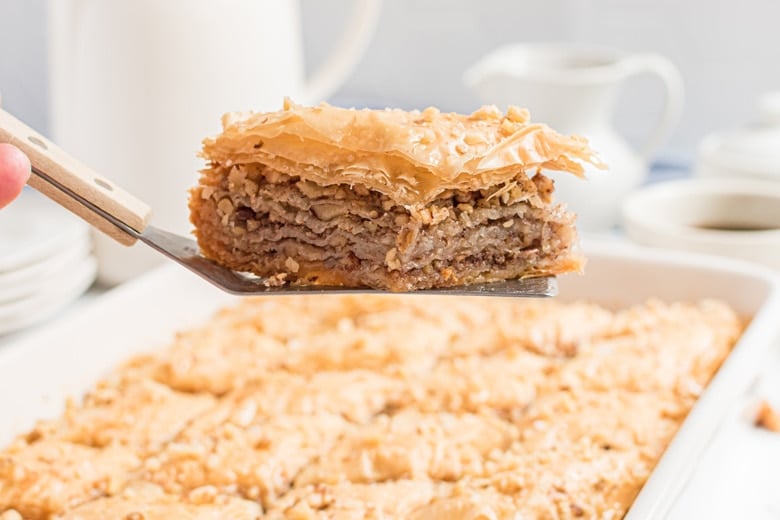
409 156
376 407
144 501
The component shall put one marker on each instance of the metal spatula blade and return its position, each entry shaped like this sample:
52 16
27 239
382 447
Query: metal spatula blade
123 217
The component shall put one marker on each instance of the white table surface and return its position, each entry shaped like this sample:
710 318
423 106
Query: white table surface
738 477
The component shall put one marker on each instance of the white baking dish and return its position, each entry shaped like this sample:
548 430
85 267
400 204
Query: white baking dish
40 370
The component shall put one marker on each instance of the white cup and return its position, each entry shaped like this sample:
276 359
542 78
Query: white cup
137 84
738 218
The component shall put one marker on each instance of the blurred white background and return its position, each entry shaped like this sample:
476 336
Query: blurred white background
728 52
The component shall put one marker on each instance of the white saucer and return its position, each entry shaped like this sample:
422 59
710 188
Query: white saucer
45 275
40 306
33 228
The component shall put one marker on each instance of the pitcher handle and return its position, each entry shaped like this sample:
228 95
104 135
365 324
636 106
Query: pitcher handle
658 65
345 55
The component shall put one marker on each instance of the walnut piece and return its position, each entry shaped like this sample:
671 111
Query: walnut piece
767 417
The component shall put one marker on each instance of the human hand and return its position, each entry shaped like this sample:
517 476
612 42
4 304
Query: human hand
14 172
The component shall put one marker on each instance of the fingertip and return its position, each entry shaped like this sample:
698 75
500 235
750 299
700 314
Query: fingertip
15 169
14 159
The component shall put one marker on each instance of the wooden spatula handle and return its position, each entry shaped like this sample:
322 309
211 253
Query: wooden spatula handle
48 158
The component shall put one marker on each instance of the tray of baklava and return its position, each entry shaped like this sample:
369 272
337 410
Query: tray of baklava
169 399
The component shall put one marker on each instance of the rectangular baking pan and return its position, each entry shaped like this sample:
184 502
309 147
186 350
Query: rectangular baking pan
38 372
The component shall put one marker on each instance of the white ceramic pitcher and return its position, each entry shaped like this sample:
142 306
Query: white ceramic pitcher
137 84
573 88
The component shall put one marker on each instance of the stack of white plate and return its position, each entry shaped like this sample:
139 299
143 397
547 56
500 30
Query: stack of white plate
45 261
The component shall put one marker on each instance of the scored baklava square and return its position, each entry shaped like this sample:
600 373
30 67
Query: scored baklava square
387 199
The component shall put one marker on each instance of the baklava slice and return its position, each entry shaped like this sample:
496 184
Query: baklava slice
387 199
